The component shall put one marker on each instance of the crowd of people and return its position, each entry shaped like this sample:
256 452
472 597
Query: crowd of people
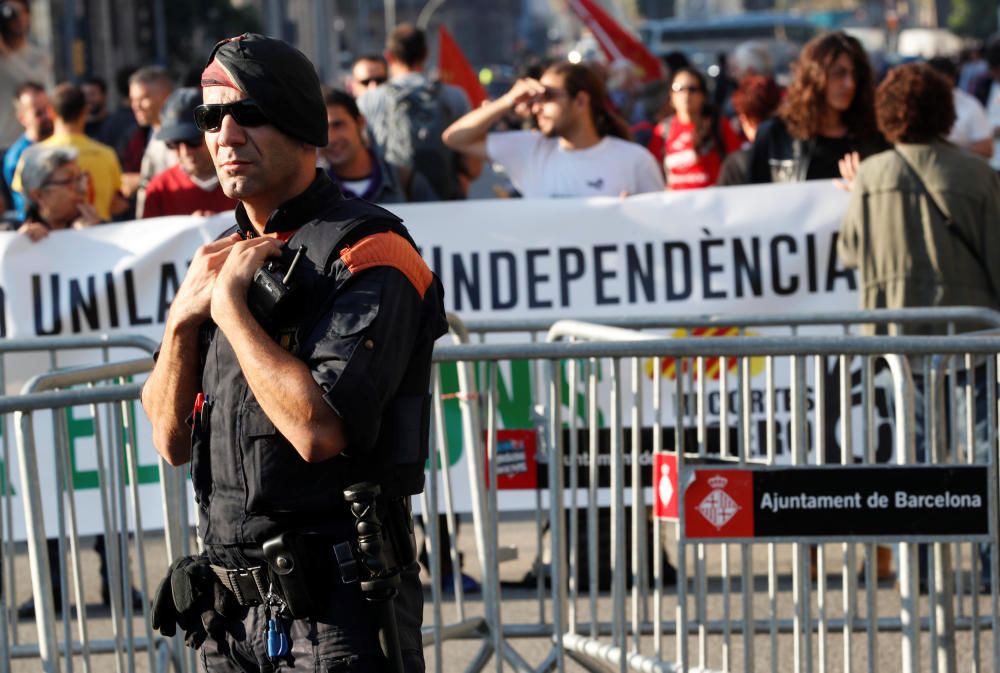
395 134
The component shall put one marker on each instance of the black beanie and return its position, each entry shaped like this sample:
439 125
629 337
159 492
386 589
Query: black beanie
278 77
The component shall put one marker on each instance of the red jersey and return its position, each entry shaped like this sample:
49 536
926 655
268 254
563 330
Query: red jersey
687 167
173 193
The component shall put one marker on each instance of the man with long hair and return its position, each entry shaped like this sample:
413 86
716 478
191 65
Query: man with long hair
581 147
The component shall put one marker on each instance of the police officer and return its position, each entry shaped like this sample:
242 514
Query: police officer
282 403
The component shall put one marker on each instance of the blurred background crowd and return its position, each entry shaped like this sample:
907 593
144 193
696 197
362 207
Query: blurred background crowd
715 92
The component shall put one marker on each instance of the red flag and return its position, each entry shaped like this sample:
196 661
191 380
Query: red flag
453 68
616 42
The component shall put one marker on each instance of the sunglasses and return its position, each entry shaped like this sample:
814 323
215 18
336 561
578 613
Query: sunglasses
176 144
368 82
209 118
677 88
552 93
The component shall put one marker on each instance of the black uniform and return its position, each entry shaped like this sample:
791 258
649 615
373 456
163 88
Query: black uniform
368 311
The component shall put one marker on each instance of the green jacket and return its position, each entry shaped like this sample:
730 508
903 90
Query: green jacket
906 254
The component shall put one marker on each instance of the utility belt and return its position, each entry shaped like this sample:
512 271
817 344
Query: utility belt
303 571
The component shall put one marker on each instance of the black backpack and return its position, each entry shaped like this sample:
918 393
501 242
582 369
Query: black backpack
411 132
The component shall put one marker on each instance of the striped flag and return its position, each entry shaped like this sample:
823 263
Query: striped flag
616 42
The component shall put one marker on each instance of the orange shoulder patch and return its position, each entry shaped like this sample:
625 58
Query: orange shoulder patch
389 249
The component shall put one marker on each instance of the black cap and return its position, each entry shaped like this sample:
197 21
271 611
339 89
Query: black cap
278 77
177 116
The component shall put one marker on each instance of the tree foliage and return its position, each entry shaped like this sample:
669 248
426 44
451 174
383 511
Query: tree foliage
974 18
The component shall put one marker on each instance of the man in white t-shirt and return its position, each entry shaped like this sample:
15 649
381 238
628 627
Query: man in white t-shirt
971 129
580 149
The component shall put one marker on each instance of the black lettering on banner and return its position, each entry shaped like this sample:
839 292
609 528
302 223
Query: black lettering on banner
86 304
462 281
133 302
750 268
708 269
168 281
674 294
565 275
535 278
811 261
511 280
36 299
436 260
793 283
637 274
109 284
834 270
601 275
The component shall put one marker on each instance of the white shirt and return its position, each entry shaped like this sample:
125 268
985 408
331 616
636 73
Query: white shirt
971 123
541 168
993 112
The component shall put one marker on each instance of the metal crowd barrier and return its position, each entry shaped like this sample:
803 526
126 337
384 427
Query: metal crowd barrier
624 629
578 631
103 389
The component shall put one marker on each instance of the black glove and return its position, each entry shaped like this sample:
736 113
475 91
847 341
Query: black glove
164 611
193 598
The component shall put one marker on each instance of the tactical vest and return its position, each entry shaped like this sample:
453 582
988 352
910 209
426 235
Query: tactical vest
249 482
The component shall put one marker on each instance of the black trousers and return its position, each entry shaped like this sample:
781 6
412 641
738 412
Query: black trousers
344 639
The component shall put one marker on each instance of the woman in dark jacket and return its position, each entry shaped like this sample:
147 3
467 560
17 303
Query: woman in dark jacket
827 113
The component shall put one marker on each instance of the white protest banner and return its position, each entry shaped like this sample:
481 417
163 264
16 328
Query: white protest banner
740 250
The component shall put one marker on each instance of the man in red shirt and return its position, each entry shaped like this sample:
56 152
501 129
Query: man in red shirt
191 186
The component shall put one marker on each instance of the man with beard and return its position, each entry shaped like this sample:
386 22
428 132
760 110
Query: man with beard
580 149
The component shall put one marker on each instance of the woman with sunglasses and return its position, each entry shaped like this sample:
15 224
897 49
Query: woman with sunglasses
693 142
55 189
827 113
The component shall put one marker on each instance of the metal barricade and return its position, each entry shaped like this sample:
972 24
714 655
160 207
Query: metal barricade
637 631
117 473
578 385
72 641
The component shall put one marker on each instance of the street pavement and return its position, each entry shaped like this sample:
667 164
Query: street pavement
520 606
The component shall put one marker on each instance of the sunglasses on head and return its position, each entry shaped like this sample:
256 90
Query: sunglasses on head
209 118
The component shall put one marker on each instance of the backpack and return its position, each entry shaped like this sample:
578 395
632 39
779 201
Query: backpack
411 136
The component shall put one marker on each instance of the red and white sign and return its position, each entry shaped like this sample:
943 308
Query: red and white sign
517 466
719 504
665 485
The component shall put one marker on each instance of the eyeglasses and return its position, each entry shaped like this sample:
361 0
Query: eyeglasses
80 182
209 118
678 88
190 144
368 82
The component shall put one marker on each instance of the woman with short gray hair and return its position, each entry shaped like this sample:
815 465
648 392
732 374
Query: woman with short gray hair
55 189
